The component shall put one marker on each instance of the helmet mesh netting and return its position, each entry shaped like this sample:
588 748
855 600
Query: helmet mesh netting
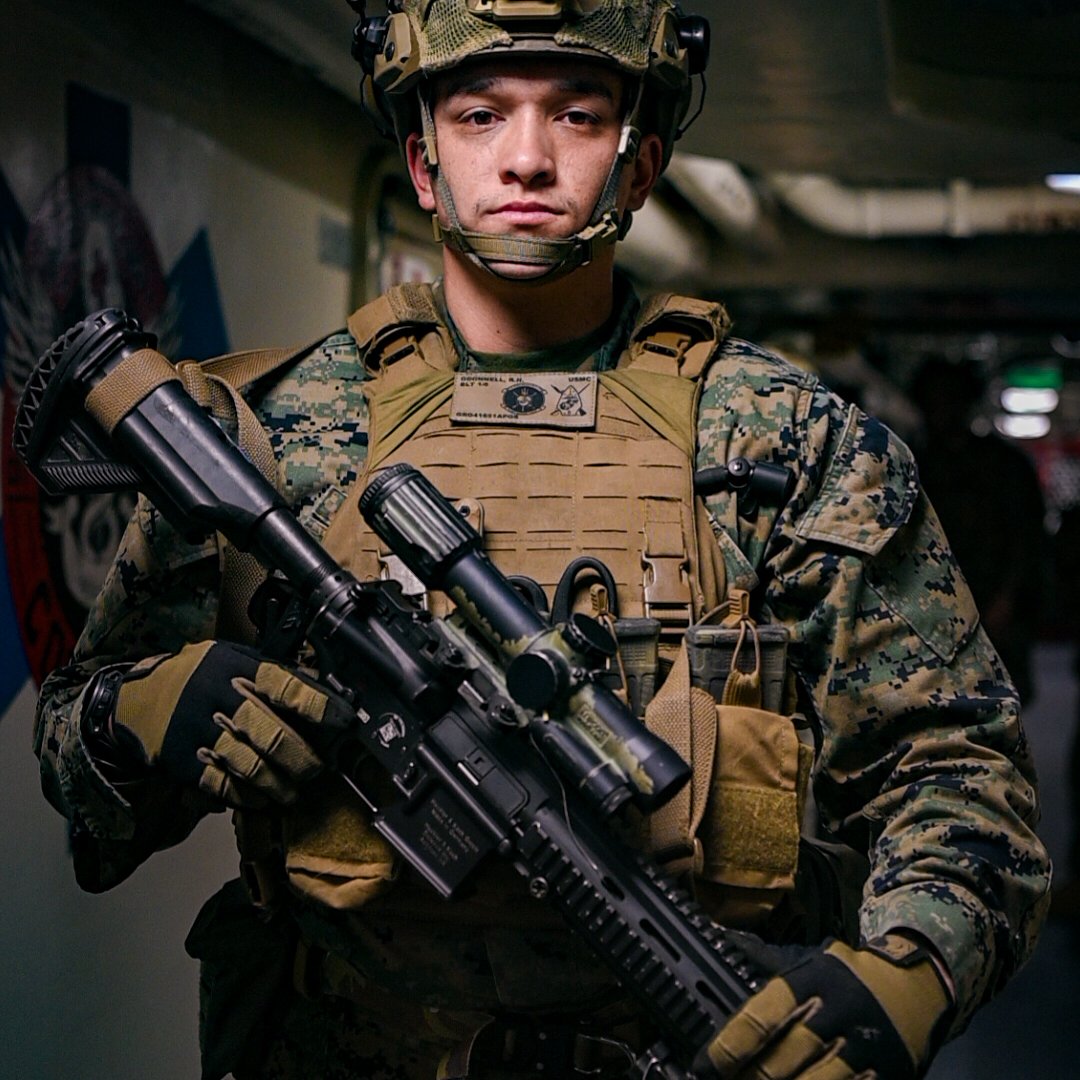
618 29
452 34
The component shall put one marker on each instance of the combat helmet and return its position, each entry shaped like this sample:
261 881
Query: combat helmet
656 46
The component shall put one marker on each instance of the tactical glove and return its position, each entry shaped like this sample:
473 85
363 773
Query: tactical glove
835 1013
220 718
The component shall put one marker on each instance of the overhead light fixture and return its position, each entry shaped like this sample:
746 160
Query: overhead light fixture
1067 182
1029 399
1023 426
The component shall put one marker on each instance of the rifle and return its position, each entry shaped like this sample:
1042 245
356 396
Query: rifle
499 736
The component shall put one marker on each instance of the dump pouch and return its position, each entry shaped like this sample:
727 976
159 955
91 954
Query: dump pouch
332 853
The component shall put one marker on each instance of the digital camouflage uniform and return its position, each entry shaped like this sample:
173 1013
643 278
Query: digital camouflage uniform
920 762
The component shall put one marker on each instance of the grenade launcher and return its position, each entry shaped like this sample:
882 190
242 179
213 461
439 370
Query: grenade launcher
499 737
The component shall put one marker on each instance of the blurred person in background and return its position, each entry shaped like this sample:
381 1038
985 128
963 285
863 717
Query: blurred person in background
986 492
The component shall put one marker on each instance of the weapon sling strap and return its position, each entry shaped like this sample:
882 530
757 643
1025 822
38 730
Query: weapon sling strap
216 384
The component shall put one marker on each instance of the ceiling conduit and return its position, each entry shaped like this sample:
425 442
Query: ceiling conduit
660 248
959 210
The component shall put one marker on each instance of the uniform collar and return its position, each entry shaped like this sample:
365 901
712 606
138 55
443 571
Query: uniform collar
598 350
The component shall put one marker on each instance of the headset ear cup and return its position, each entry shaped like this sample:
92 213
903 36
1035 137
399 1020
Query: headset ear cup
693 35
369 35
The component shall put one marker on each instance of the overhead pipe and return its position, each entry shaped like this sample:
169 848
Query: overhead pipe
959 210
661 249
719 190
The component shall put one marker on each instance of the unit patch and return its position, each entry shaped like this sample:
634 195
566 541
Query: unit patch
555 399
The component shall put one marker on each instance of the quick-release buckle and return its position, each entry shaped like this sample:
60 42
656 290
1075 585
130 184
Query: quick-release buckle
673 343
667 592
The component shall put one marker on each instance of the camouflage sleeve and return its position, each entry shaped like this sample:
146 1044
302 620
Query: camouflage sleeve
317 419
161 593
921 758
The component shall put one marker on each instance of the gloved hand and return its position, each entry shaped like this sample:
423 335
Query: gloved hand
835 1013
221 718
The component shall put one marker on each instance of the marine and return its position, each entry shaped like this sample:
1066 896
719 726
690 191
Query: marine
869 825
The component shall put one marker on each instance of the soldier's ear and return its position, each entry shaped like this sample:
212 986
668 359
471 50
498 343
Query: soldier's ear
418 172
645 171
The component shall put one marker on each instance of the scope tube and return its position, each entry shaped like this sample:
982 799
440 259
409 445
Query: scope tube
418 523
421 526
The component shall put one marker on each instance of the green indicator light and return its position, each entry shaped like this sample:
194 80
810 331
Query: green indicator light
1042 376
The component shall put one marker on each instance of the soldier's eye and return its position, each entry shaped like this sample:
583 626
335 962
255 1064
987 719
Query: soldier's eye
580 117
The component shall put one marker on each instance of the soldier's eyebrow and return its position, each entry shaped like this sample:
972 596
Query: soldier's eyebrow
586 87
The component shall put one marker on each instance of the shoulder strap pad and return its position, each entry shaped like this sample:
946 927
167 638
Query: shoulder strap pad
676 335
403 321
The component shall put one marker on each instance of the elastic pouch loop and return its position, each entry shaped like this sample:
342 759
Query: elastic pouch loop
741 687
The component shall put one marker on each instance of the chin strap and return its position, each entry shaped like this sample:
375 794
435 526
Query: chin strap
560 254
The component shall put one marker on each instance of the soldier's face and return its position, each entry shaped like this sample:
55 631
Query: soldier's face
527 147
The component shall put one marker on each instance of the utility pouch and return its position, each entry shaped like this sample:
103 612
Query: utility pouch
753 816
245 978
637 664
749 832
332 852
